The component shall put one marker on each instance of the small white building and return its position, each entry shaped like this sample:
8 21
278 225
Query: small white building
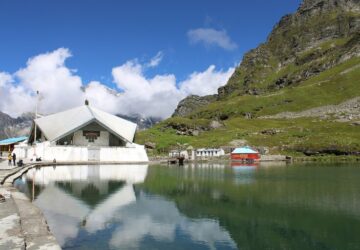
83 134
177 153
209 152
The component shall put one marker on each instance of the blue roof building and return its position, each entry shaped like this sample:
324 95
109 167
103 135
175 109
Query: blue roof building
14 140
8 145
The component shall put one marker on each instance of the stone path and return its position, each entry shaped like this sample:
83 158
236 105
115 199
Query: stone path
10 229
4 165
22 224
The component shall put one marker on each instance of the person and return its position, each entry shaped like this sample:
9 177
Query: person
9 158
14 159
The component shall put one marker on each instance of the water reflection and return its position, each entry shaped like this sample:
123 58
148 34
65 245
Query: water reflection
200 206
92 173
244 174
160 218
100 207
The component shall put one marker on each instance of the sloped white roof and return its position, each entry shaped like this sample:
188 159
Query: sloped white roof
58 125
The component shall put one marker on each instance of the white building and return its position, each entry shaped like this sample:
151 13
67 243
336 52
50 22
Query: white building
83 134
209 152
177 153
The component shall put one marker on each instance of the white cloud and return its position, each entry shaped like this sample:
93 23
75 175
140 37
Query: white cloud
103 97
155 96
206 82
47 73
61 88
211 37
159 96
155 61
161 219
14 99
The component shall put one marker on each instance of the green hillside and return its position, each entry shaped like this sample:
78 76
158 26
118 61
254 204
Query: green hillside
305 63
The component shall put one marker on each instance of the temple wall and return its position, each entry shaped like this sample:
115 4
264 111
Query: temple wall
47 152
127 154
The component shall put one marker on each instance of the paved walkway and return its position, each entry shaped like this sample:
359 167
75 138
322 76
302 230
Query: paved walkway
4 165
22 224
10 229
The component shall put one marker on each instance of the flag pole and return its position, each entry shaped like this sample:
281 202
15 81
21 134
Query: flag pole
36 111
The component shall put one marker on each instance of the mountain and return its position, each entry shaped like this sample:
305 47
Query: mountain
142 122
191 103
297 93
13 127
319 36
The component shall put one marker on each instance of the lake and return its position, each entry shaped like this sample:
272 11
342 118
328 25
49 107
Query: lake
199 206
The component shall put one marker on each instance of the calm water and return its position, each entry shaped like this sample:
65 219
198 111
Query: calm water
206 206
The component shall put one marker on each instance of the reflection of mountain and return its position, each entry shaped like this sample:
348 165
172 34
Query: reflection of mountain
281 208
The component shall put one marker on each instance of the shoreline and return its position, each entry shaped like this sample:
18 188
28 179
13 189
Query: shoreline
269 158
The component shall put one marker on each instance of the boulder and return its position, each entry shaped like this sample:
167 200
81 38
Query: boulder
215 124
150 145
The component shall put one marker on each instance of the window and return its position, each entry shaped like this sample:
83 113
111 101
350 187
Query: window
91 136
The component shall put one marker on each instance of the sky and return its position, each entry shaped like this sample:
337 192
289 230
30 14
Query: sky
151 54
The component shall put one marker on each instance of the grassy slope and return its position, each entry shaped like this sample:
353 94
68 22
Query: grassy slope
330 87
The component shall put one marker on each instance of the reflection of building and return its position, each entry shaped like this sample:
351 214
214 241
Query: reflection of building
83 134
129 173
8 145
126 213
244 173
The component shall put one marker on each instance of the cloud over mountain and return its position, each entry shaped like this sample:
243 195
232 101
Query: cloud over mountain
211 37
61 88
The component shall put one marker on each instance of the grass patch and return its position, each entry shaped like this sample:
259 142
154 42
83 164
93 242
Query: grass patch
293 136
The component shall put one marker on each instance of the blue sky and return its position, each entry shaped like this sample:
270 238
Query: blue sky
198 44
102 34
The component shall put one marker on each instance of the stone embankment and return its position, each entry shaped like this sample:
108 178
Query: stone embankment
275 158
22 224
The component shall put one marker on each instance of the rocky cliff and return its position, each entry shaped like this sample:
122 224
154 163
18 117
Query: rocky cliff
191 103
